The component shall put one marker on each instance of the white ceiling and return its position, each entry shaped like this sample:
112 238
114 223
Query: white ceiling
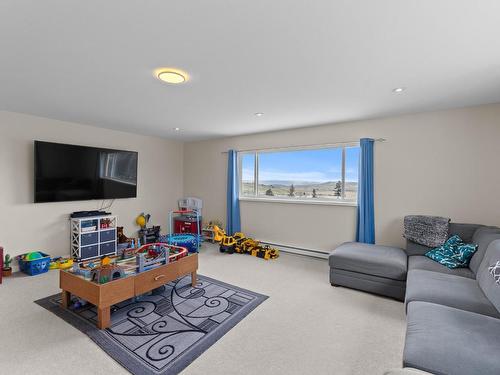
299 62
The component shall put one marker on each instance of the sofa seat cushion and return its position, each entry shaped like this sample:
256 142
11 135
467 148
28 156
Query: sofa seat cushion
445 340
421 262
449 290
383 261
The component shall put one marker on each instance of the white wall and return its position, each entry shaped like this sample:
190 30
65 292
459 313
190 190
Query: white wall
25 226
437 163
442 163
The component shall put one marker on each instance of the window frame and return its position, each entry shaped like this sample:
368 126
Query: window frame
256 198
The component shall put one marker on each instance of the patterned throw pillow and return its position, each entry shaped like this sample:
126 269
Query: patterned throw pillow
454 253
495 271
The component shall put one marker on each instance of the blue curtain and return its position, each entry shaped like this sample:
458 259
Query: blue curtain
233 203
365 229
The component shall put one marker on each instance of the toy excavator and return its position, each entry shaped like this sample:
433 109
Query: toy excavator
227 243
218 233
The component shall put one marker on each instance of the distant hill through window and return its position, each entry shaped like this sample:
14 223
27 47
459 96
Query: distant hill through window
302 174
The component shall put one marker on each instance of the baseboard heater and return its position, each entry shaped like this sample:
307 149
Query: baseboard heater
298 250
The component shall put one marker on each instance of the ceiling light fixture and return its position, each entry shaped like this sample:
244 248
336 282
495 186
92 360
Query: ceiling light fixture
170 75
399 89
259 114
177 129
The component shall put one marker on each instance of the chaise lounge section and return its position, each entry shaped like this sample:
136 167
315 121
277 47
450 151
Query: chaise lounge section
375 269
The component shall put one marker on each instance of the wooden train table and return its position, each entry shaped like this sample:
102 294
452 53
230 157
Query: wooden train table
103 296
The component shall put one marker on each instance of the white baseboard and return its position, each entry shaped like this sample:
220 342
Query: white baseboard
298 250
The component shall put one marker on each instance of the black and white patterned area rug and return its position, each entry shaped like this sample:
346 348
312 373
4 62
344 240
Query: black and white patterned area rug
165 331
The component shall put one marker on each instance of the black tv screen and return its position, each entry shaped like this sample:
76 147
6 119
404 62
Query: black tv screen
70 173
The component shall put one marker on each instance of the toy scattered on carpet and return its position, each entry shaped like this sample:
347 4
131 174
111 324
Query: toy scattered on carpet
241 244
78 304
34 263
60 263
215 222
227 244
208 231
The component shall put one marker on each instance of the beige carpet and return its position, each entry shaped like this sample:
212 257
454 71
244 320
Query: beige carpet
305 327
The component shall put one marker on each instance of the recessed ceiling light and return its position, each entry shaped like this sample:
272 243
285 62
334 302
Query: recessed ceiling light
169 75
259 114
399 89
177 129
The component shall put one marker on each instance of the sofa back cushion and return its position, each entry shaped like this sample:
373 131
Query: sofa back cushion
464 231
487 276
482 237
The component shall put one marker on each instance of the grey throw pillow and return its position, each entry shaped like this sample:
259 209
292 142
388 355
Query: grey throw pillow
430 231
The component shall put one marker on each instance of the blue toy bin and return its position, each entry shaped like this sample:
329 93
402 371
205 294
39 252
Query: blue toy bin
34 267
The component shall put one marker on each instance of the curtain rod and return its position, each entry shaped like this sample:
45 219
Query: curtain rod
307 146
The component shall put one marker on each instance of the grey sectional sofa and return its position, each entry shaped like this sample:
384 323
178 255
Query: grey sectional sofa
453 315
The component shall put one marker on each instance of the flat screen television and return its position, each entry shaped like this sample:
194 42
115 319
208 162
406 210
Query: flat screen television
70 173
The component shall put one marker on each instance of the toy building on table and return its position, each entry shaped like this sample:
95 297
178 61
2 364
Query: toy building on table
105 273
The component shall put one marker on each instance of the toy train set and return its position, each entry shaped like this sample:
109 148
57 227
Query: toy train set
131 261
157 250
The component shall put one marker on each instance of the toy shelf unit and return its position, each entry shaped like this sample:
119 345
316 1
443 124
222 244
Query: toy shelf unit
93 237
208 235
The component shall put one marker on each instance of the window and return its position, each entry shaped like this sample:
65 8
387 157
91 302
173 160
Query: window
247 174
119 166
310 174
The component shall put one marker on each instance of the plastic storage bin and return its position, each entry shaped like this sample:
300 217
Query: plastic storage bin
34 267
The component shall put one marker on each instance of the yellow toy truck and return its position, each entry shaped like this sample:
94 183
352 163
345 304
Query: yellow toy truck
227 245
